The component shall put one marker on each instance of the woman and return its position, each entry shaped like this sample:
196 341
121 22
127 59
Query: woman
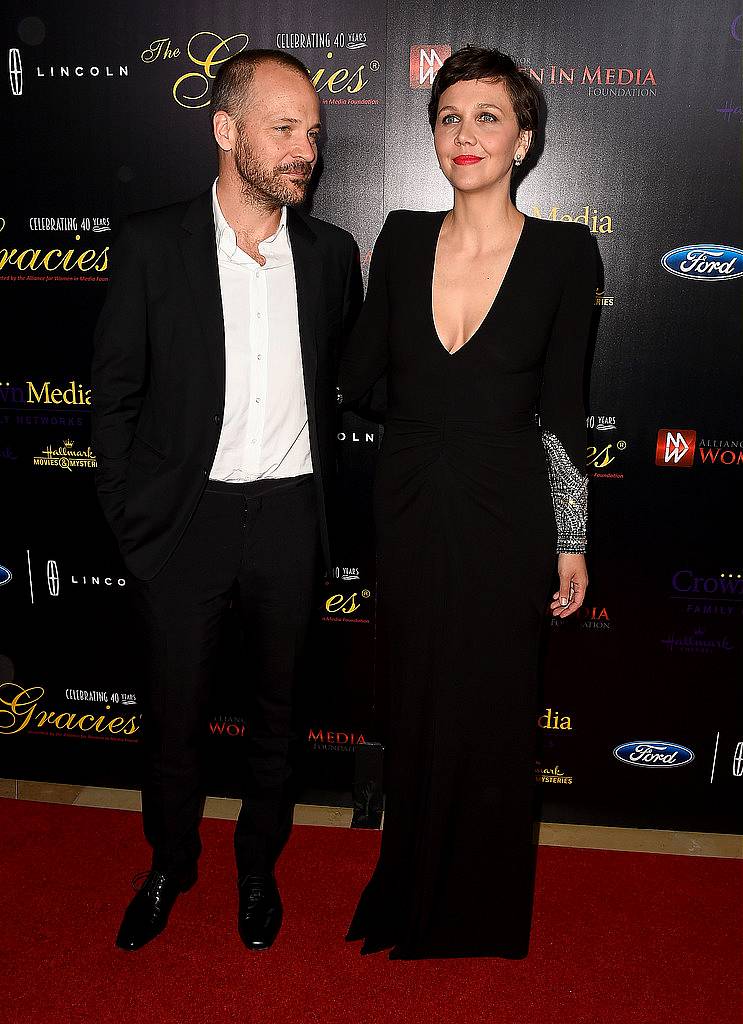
479 317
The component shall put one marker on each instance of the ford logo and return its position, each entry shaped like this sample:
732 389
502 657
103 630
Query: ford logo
705 262
653 754
5 575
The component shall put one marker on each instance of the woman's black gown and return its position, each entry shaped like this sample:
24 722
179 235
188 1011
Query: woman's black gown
472 497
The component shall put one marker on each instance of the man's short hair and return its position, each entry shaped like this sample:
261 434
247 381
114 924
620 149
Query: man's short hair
235 75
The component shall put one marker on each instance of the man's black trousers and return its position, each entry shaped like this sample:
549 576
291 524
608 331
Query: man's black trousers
254 547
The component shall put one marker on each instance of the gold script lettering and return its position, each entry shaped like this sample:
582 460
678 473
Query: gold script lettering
17 706
227 47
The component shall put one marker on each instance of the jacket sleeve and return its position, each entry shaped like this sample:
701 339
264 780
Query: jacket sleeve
353 293
119 373
561 412
365 356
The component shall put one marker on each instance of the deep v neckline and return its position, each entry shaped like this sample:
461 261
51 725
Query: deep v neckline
442 346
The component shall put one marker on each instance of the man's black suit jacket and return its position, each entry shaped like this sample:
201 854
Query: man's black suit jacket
158 377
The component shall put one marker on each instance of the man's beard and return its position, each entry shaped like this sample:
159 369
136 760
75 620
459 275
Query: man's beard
269 188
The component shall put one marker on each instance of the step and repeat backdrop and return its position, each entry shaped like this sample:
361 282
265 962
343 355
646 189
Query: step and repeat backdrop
104 113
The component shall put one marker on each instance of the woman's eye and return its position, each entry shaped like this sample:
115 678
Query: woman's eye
484 116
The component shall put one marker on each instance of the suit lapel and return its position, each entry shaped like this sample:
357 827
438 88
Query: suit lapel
309 297
199 249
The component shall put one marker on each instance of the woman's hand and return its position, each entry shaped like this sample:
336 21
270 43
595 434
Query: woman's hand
573 582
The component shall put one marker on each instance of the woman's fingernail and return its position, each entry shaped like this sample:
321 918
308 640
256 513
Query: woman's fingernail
563 601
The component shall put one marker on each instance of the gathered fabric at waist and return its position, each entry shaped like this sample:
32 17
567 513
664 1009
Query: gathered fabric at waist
500 469
509 432
465 445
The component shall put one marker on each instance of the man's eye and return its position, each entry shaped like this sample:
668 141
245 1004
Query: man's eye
283 128
314 136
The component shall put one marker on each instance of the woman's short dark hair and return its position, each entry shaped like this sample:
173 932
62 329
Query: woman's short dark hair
474 62
235 75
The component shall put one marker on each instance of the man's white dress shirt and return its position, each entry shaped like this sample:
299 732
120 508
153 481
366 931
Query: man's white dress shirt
264 429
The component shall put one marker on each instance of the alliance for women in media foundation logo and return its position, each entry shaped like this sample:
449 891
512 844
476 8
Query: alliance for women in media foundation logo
678 447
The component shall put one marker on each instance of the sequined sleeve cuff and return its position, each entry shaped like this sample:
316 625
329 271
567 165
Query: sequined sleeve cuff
569 496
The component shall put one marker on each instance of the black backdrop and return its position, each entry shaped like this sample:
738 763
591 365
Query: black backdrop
103 114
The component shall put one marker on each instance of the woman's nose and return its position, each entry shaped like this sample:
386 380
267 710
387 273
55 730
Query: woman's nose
465 136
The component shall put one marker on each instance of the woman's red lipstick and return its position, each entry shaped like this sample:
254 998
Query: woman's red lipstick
463 160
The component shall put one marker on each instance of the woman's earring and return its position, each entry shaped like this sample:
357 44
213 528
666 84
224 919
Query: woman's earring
518 159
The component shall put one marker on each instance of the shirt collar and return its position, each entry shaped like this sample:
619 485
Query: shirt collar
227 240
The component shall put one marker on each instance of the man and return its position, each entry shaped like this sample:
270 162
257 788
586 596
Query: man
213 382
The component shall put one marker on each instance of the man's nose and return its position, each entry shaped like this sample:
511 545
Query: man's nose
304 150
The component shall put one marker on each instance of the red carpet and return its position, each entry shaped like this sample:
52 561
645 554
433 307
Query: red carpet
642 938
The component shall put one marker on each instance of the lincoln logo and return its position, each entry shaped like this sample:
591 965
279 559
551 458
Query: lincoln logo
52 578
425 61
15 71
675 447
5 575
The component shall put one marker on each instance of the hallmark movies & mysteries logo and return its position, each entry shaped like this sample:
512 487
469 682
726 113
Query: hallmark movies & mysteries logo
555 776
66 457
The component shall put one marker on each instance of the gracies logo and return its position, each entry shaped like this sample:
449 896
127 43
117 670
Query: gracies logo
21 710
206 50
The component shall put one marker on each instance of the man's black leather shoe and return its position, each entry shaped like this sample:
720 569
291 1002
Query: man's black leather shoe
147 914
260 912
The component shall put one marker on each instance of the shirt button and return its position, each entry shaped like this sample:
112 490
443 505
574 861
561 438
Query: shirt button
258 315
260 356
253 441
257 401
217 417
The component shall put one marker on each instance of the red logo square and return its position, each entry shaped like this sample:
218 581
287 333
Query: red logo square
675 447
425 61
